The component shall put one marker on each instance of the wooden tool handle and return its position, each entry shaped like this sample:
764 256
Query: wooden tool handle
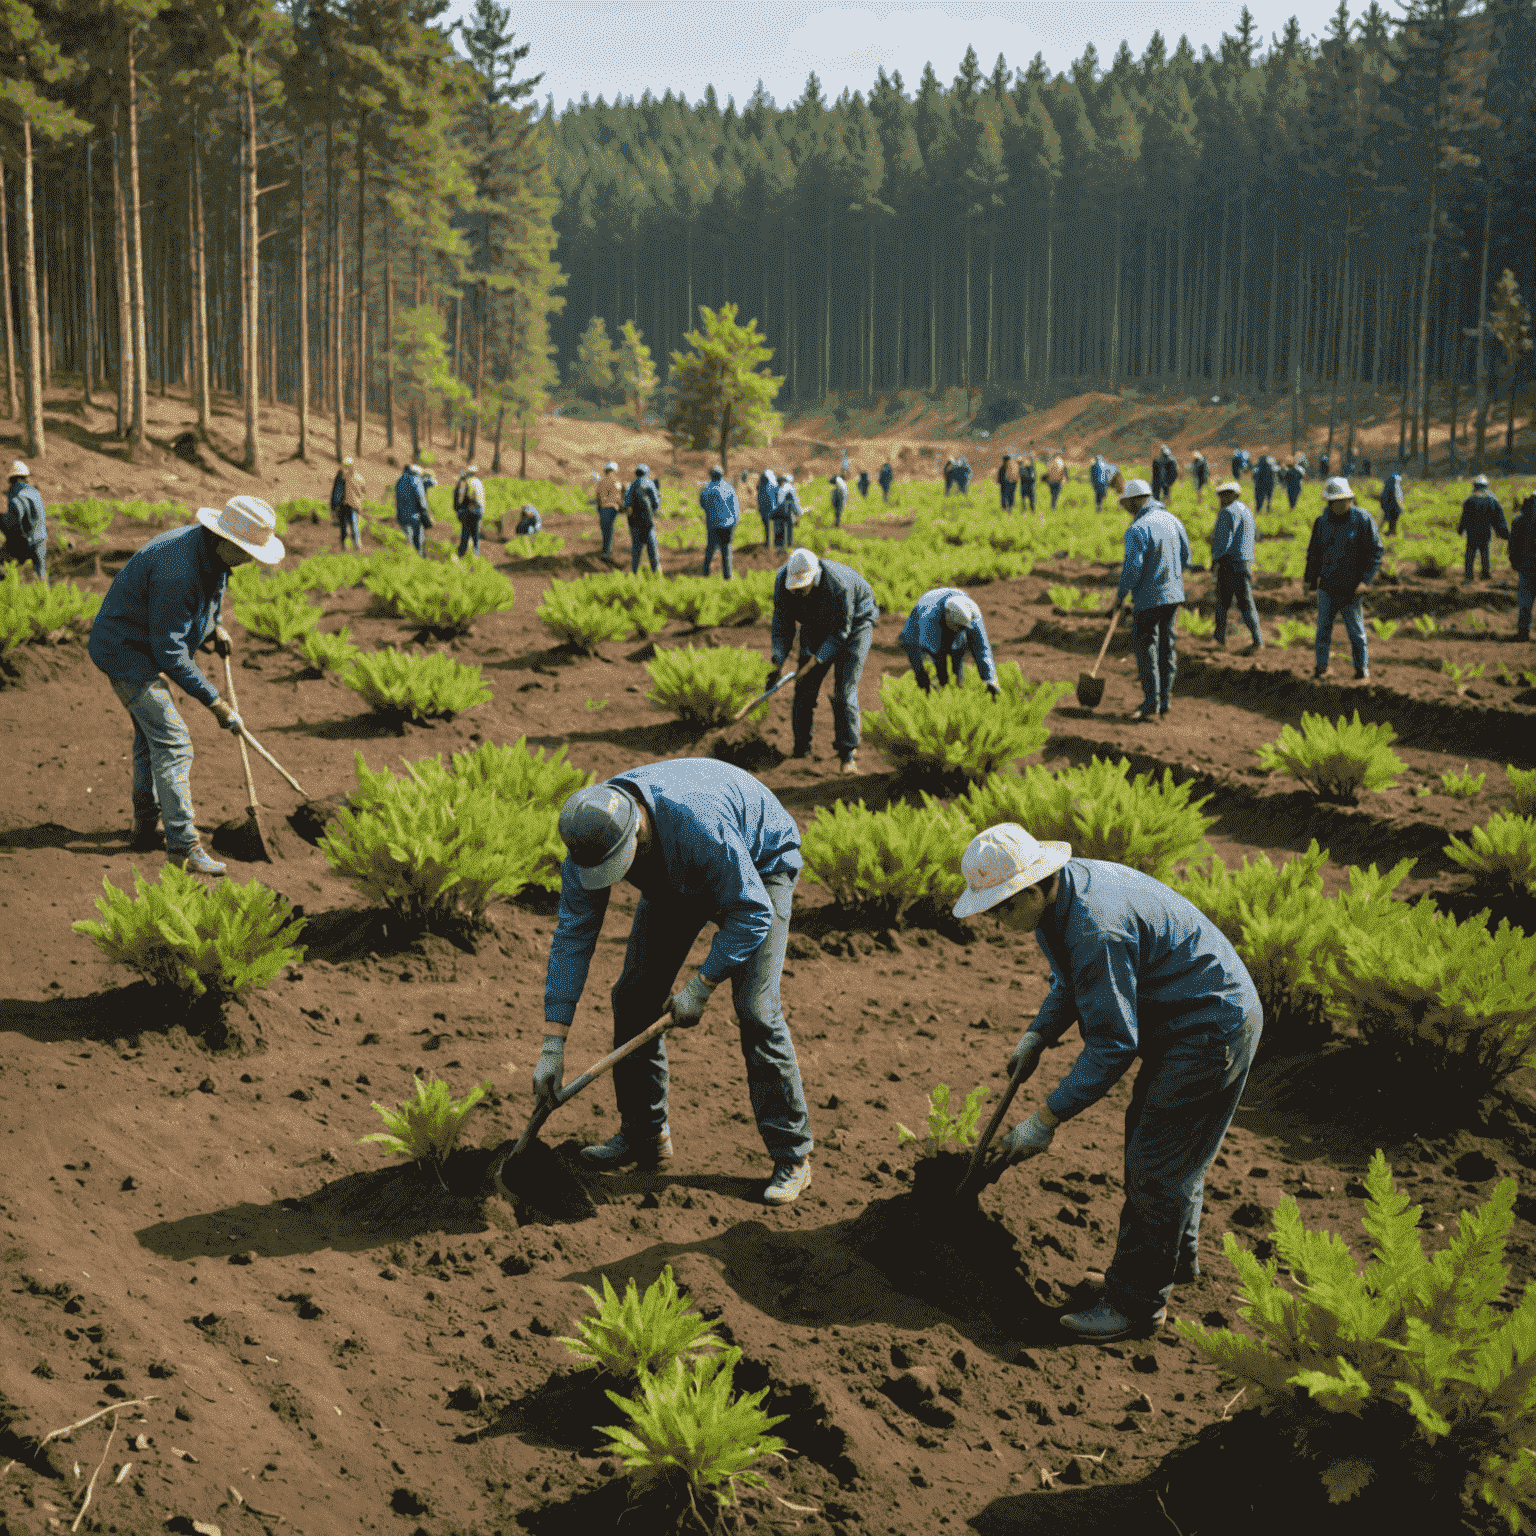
245 757
767 693
299 788
1017 1081
1114 619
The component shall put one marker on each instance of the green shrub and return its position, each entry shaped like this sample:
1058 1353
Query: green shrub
1101 810
1385 628
1461 676
1335 759
579 619
330 572
1424 623
532 546
31 611
635 1335
281 621
1291 632
886 863
1522 789
958 733
206 943
1073 599
1502 853
328 653
688 1436
88 517
1450 1006
1408 1374
1465 785
445 598
944 1128
706 687
426 1127
416 687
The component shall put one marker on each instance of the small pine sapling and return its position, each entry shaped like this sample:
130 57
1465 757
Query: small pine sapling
426 1126
639 1334
1465 785
944 1128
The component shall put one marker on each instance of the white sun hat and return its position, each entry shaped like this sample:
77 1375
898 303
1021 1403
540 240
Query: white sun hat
249 522
1003 860
801 569
18 468
960 611
1338 489
1135 488
1229 485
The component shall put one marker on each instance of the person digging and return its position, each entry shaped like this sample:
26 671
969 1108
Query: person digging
702 842
946 624
163 605
1145 973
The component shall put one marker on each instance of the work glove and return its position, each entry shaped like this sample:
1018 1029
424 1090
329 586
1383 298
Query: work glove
994 689
774 674
222 644
224 713
687 1007
1026 1140
1028 1049
550 1072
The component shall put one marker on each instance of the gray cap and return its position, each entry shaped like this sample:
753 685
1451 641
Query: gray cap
1481 483
600 827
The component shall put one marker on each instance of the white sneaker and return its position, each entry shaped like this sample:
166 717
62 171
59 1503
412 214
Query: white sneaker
787 1182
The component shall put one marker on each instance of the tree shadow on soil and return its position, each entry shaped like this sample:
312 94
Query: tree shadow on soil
353 1214
52 834
368 726
668 739
119 1013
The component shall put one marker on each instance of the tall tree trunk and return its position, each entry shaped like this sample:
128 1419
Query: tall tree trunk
1221 300
200 293
301 275
965 349
1482 335
252 274
1339 331
1357 341
333 240
899 370
1271 362
36 446
1180 355
362 289
1295 358
124 287
1114 324
136 232
869 388
45 313
1509 426
501 416
1407 365
1050 250
5 299
88 370
389 326
1240 316
826 312
1429 260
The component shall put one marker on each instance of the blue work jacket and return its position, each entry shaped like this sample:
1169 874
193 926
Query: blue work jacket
721 509
160 608
1343 552
1139 967
1156 556
411 500
786 506
531 520
642 502
24 513
926 630
1099 474
1392 491
767 493
827 613
1232 537
719 833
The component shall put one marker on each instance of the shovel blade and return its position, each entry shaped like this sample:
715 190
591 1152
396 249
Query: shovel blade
1090 690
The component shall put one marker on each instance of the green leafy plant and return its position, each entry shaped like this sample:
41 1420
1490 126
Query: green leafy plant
31 611
1505 676
208 944
1501 853
1448 1008
426 1126
1461 676
445 597
637 1335
1475 622
595 705
533 546
1100 809
944 1128
884 864
1073 599
306 509
1385 628
1424 623
1291 632
330 572
88 517
415 687
282 620
707 686
1193 623
1465 785
1335 759
163 513
1405 1374
580 619
1522 789
328 653
958 734
688 1434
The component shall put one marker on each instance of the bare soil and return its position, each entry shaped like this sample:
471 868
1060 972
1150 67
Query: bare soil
322 1341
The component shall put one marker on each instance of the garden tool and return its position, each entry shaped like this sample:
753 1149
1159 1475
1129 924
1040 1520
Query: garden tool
738 735
971 1183
767 693
245 736
532 1173
1090 686
253 812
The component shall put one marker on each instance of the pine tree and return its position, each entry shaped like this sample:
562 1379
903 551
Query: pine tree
634 372
591 373
1511 323
723 396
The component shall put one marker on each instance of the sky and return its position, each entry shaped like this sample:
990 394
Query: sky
623 47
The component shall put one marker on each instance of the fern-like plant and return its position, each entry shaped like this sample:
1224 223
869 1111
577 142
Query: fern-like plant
945 1129
282 620
1465 785
447 597
534 546
416 687
1461 677
88 517
326 652
1335 759
959 734
1424 623
1386 628
706 687
31 611
1192 623
1073 599
637 1335
688 1435
578 619
426 1126
330 572
1404 1375
1502 853
1291 632
1522 789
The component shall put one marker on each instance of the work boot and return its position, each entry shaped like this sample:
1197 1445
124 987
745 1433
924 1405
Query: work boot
1104 1324
646 1150
849 764
1142 712
1362 674
788 1180
146 836
1187 1273
1253 648
196 862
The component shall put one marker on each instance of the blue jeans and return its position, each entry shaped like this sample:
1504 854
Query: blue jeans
606 518
1525 599
847 669
643 540
1180 1108
1476 550
659 942
1329 607
767 530
415 531
1029 493
783 532
162 760
837 514
1098 497
1234 584
1157 664
1390 513
718 538
349 528
1008 489
1055 492
469 531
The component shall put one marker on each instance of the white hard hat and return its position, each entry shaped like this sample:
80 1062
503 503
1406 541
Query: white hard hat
1338 489
1135 488
801 569
471 469
18 468
1003 860
1482 480
960 612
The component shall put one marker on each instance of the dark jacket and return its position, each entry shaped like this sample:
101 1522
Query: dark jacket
827 614
1264 477
1481 517
338 489
24 518
1522 539
642 501
887 474
767 493
1343 553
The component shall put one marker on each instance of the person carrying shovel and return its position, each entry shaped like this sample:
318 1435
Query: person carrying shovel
1144 973
702 842
163 605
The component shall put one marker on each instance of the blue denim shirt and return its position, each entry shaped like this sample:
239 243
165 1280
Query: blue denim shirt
1138 966
827 613
721 509
642 501
786 506
410 500
1156 554
161 606
1232 537
24 513
925 629
767 493
719 834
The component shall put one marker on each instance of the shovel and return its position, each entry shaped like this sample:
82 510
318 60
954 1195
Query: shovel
252 811
736 735
969 1185
245 736
1090 686
532 1173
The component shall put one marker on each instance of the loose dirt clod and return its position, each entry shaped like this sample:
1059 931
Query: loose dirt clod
542 1183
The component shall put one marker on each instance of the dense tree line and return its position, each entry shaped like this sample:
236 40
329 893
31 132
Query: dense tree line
321 202
1282 218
